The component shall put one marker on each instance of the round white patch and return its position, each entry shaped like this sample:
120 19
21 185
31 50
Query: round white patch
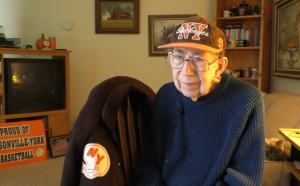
96 161
39 152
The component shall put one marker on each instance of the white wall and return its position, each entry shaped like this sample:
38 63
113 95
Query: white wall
95 57
280 84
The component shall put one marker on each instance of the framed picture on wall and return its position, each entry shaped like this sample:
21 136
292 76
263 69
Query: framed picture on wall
287 39
117 16
160 28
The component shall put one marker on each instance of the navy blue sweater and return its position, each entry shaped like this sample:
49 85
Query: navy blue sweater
218 140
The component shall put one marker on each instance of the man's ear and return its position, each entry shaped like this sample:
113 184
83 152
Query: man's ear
169 53
223 62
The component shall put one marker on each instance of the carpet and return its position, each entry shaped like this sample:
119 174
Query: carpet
46 173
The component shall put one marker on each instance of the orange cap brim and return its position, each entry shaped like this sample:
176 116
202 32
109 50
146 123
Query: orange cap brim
191 45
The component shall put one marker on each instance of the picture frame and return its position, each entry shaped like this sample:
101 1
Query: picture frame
117 17
287 39
159 27
59 145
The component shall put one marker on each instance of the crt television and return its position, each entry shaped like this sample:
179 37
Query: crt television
33 85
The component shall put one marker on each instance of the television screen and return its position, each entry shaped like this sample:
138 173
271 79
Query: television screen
33 85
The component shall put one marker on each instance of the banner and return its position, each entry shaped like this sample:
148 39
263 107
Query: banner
22 143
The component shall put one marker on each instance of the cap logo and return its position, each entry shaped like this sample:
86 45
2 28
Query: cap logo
191 28
96 161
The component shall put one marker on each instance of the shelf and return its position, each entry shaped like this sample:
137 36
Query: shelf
242 48
33 114
248 79
241 18
34 52
291 166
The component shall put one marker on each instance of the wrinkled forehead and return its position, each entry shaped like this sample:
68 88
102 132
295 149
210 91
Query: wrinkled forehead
192 51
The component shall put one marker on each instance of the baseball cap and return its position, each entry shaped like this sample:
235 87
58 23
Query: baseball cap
198 33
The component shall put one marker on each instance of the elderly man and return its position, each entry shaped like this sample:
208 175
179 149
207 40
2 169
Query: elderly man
208 127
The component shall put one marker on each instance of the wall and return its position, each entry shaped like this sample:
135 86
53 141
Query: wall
279 84
95 57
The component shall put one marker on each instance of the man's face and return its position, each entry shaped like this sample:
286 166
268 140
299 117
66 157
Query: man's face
191 82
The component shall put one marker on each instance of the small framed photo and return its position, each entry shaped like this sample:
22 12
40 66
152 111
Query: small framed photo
160 29
59 145
117 16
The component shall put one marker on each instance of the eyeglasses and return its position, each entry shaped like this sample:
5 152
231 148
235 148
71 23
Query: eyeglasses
199 64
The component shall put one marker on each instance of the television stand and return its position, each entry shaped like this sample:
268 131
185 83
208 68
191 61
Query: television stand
57 122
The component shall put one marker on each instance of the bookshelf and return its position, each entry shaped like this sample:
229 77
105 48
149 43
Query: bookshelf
252 56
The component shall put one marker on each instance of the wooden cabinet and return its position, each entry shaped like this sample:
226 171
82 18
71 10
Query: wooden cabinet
57 122
292 136
253 57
